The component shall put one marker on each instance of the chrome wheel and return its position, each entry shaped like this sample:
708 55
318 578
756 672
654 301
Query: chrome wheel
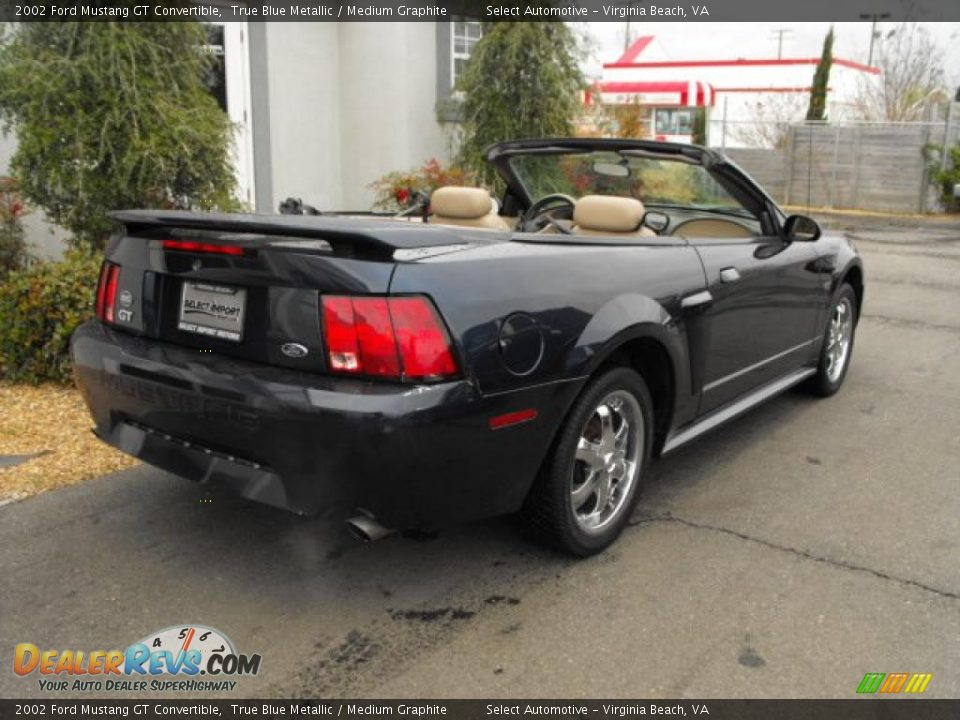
839 334
607 461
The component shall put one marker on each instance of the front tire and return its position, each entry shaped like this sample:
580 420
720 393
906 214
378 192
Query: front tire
838 339
590 485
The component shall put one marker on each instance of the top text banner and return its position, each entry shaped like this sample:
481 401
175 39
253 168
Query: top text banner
445 10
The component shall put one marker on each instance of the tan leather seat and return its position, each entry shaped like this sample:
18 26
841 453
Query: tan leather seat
465 207
609 215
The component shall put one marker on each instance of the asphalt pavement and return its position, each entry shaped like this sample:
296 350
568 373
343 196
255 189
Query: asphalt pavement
785 555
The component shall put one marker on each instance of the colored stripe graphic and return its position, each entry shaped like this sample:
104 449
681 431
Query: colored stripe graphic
894 683
871 682
918 682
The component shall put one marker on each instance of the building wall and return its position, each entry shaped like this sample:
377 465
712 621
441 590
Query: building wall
388 103
346 103
296 85
781 85
739 108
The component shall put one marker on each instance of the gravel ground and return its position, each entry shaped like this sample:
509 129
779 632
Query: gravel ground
46 440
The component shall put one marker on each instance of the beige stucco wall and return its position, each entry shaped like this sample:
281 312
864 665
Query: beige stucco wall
387 104
303 86
349 102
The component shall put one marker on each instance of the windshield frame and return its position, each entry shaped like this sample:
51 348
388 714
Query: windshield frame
736 182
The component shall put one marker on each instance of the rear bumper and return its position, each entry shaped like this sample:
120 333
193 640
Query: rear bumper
410 455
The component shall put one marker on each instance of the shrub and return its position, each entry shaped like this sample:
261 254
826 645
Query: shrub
944 175
40 306
396 190
13 245
112 115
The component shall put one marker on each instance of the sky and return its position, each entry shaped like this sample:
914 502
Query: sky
715 40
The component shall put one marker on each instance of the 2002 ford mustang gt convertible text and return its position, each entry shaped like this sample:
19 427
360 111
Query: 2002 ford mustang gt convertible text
469 357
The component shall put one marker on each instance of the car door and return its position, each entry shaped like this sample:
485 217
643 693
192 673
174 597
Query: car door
761 320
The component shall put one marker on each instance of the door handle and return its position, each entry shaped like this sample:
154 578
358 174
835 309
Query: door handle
696 300
729 275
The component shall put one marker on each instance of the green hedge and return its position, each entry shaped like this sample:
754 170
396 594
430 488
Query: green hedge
40 306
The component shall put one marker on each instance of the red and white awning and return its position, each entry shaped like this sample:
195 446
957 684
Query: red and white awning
691 93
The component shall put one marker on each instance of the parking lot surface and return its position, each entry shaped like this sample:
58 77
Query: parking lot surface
785 555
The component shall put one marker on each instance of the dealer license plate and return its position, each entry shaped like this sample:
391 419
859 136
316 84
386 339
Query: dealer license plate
212 310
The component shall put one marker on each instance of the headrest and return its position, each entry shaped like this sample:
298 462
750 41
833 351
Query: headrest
461 202
608 213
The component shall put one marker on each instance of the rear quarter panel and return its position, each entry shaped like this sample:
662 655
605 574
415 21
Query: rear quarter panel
586 300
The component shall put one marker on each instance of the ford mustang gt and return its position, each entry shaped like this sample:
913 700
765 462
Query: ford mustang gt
474 355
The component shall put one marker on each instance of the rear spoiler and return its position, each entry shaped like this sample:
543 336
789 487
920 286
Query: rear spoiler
383 236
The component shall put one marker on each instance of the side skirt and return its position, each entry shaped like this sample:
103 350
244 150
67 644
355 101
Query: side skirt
738 407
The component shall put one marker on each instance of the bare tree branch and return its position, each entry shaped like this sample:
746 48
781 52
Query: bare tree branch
913 73
772 116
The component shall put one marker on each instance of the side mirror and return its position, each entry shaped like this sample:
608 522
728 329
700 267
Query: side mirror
800 228
656 221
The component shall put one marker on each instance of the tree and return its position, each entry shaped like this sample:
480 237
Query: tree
629 120
698 135
817 111
772 117
912 74
522 81
111 115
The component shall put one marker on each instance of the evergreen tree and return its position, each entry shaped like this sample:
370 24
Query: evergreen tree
113 115
522 81
699 130
821 80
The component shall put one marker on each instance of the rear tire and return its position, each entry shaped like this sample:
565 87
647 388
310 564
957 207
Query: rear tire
589 486
838 337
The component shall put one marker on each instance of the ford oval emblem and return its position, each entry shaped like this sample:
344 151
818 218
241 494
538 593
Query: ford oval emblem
294 350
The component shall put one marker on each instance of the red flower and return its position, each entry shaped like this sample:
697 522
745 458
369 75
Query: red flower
402 195
16 209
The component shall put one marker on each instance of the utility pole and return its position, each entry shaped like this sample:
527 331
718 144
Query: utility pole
628 31
873 17
946 135
780 33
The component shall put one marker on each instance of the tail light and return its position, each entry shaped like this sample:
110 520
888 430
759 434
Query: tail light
202 247
107 291
390 337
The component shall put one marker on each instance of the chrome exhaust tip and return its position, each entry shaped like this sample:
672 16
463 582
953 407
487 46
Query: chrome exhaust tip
367 529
